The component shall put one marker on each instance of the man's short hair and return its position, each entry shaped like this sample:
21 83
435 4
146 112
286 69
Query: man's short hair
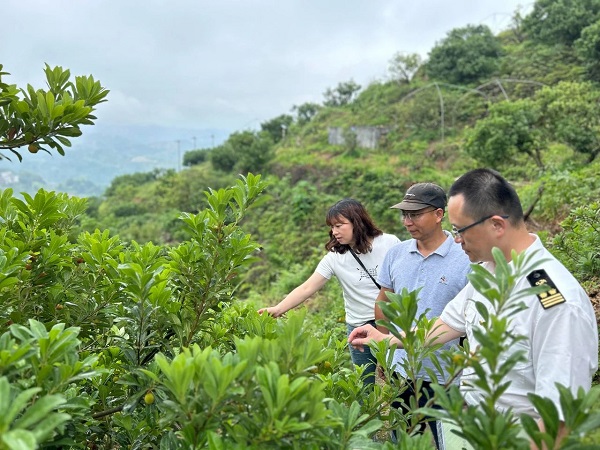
486 192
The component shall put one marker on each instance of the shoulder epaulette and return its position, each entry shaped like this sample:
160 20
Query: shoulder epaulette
552 296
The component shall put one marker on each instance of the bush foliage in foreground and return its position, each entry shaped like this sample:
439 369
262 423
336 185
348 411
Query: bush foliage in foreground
107 344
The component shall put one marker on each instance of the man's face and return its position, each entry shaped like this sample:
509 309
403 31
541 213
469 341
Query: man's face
422 223
476 241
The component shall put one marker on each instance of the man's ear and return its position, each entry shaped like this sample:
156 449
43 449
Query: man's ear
499 223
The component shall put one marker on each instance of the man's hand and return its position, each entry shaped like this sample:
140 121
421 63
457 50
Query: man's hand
361 336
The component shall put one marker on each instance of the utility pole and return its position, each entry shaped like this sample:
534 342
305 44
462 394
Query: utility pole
194 139
212 136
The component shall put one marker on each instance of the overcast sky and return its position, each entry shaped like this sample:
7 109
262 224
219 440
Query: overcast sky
225 64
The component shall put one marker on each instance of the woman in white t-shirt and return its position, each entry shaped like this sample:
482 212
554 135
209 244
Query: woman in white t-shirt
351 231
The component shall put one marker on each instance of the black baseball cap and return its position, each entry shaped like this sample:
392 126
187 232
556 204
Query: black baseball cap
422 195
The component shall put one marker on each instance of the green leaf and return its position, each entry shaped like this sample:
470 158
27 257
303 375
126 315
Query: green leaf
69 131
19 440
39 410
18 403
45 428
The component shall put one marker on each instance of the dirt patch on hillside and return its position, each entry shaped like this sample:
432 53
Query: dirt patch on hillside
594 294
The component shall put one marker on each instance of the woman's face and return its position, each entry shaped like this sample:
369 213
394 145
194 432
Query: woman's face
342 230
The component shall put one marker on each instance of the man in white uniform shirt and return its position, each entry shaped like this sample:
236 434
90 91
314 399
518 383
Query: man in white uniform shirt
561 335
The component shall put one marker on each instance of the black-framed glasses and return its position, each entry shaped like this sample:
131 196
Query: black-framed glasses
458 232
414 216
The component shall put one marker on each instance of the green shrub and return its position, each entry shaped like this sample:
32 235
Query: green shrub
578 244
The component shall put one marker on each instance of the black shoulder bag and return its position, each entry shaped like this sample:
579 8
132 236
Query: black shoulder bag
364 268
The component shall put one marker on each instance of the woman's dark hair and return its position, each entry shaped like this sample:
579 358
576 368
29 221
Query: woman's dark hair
487 192
364 230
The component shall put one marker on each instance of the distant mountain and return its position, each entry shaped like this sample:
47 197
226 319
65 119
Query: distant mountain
102 153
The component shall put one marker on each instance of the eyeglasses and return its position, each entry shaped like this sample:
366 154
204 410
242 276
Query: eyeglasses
458 232
414 216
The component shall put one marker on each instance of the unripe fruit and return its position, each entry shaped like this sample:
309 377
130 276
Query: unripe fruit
59 306
33 147
149 398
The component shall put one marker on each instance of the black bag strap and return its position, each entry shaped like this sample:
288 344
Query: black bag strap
364 268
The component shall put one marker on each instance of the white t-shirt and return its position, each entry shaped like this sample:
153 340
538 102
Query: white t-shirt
359 290
560 345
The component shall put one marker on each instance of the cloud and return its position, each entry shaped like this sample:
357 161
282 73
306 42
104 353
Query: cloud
224 64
